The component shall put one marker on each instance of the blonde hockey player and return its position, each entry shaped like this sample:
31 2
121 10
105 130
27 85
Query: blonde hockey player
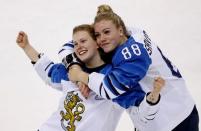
136 61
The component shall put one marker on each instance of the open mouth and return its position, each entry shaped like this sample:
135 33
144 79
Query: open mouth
82 52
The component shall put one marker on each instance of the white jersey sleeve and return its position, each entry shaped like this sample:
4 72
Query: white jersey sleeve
42 67
143 114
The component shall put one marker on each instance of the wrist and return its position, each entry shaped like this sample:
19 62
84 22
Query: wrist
75 66
84 77
39 56
153 98
26 47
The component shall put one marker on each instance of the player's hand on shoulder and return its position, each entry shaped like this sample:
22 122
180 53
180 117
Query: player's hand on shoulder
84 89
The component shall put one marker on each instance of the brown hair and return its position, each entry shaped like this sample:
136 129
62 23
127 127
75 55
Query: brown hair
105 12
85 27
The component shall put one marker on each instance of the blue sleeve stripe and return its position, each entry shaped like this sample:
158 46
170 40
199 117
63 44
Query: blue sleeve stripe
48 65
69 45
109 84
106 94
149 119
118 84
152 114
100 88
61 51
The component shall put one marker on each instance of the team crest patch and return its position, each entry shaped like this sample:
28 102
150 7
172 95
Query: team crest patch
73 110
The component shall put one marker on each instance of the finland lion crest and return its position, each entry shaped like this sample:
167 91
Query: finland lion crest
73 109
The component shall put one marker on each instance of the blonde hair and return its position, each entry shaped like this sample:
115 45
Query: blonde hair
104 9
105 12
85 27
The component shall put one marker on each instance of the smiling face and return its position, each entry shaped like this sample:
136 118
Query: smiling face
85 46
107 34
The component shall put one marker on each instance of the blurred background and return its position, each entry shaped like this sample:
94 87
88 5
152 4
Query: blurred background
26 102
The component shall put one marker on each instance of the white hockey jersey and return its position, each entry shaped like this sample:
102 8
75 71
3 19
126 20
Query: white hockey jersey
75 113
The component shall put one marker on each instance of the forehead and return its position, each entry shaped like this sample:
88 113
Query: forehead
80 35
103 24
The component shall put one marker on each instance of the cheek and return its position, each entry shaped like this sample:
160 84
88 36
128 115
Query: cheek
114 43
75 51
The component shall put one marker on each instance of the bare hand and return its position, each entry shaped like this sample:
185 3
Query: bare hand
84 89
155 93
158 85
22 39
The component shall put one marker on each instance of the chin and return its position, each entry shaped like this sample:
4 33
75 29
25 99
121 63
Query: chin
84 59
107 50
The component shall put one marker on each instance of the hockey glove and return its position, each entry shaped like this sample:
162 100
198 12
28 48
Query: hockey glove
70 60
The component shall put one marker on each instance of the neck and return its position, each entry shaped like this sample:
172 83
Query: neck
124 38
96 61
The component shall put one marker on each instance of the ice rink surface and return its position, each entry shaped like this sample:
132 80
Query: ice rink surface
26 102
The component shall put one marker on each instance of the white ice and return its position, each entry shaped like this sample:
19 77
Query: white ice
26 102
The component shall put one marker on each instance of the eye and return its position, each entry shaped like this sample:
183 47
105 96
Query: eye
106 32
83 41
97 35
75 43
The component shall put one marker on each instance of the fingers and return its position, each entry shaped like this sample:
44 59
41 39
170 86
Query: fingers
84 89
159 83
22 40
20 37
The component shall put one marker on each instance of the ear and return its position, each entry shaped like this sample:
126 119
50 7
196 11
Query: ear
121 31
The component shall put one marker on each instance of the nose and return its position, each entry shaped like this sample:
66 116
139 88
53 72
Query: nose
77 47
102 38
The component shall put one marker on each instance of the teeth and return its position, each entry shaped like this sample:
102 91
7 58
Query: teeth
81 52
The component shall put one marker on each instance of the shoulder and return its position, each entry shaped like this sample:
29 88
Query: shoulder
130 51
106 69
138 34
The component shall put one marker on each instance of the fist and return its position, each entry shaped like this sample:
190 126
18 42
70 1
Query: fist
159 83
22 39
154 95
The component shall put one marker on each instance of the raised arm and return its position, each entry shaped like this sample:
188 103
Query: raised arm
149 107
23 42
49 72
